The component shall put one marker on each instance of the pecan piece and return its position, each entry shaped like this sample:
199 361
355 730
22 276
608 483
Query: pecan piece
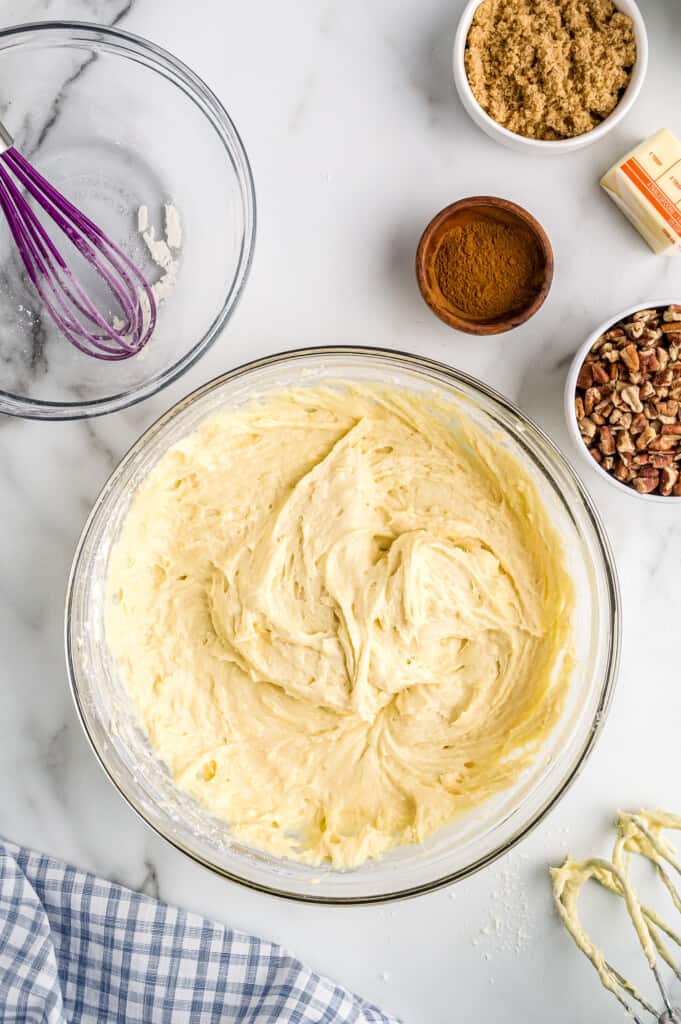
672 313
661 459
664 443
649 363
668 478
621 471
599 373
587 428
634 329
591 397
645 437
585 377
630 357
630 395
645 314
669 408
645 484
624 442
606 441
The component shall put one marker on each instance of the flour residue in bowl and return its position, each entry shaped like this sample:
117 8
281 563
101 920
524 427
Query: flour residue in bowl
344 617
164 252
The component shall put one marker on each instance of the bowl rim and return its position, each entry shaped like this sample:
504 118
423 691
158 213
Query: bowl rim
206 101
614 638
508 321
549 146
569 401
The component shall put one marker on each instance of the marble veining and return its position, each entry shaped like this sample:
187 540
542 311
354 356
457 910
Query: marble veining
349 116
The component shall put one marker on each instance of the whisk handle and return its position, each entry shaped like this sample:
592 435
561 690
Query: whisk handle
6 140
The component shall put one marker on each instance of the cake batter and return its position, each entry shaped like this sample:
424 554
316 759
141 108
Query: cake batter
344 617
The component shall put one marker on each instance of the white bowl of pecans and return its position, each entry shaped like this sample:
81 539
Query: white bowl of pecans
623 400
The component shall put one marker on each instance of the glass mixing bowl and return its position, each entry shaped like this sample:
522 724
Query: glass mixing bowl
116 123
120 742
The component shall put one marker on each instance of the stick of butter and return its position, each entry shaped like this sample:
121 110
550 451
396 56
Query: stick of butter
646 185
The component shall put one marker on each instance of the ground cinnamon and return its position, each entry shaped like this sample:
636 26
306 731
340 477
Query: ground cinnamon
487 267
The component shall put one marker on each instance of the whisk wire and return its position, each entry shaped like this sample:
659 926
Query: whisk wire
62 294
40 255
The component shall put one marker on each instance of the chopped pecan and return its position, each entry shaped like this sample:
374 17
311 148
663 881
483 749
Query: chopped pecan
634 329
667 411
669 475
585 377
645 437
661 459
672 313
599 373
591 397
624 442
664 443
587 427
606 441
630 395
630 357
621 471
663 378
645 484
649 363
638 423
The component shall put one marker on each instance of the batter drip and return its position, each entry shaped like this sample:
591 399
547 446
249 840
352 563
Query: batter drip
344 618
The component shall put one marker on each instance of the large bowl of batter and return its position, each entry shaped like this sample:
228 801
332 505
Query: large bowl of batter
343 625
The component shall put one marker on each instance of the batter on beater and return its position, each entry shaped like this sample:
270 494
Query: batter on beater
344 617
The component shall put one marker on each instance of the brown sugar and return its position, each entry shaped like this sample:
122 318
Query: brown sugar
486 268
549 69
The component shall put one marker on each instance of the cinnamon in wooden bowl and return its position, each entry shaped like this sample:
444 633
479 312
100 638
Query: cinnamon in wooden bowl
484 265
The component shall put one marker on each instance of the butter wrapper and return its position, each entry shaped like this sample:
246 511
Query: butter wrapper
646 186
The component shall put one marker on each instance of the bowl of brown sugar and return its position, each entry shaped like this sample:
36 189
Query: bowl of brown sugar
484 265
549 76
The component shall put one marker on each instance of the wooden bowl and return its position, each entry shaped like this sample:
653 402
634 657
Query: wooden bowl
464 212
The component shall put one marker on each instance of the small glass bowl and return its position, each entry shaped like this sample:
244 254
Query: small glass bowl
116 123
119 739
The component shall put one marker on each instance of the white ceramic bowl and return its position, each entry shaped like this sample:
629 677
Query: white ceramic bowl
540 146
571 384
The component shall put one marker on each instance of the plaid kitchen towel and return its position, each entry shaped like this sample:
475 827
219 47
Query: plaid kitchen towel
75 949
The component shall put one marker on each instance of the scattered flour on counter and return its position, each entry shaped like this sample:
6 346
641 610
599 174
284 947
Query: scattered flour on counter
509 925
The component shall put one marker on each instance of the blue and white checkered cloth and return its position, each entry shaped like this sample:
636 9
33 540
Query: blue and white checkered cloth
75 949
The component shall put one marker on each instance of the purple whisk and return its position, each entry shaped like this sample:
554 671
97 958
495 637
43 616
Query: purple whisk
63 296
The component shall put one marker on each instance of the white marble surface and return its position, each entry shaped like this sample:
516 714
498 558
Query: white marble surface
348 112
